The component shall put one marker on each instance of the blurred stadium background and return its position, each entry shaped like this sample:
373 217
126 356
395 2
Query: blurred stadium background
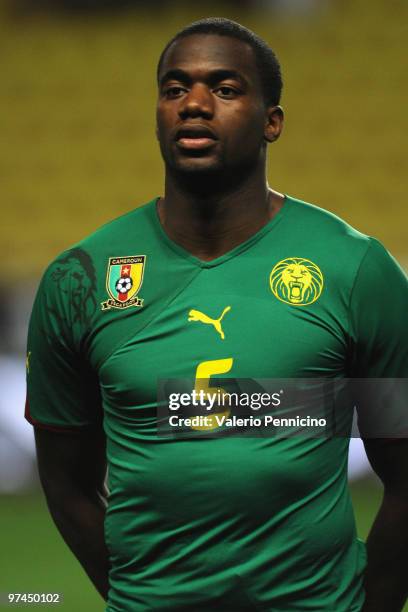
78 148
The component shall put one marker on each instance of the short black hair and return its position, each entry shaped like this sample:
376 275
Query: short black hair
266 60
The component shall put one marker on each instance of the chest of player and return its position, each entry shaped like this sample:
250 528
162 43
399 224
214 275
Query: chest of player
240 314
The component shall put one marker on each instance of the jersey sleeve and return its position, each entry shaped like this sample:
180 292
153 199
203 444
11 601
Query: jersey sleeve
379 330
378 316
62 390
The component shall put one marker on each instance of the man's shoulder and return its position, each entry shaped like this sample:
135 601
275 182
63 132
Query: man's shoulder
128 227
327 231
319 219
118 235
79 267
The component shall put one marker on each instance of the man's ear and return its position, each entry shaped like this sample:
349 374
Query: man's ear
157 132
274 123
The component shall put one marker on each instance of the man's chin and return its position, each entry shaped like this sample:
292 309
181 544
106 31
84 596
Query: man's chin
197 165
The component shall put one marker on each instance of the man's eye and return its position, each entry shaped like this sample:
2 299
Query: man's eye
226 92
174 92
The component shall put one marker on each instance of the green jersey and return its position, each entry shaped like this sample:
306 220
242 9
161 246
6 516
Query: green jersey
218 523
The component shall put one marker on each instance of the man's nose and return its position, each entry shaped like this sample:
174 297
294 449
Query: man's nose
198 102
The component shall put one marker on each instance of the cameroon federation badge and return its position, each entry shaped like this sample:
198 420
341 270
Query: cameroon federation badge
123 281
296 281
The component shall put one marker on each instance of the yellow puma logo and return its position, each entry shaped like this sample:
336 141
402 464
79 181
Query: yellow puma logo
196 315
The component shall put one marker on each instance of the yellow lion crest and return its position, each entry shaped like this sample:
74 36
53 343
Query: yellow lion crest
296 281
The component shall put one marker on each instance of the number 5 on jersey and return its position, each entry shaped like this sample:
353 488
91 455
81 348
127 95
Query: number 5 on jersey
204 371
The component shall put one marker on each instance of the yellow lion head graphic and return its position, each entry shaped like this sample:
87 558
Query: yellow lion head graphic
296 281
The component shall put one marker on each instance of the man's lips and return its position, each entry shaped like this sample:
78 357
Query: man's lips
195 143
195 137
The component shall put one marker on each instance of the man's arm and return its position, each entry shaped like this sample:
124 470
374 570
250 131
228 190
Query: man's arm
386 578
72 469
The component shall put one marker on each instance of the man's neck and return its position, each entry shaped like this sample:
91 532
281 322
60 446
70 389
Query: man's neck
210 224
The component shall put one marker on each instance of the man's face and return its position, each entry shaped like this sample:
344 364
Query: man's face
211 115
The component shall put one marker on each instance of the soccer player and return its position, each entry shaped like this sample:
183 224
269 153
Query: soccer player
221 277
